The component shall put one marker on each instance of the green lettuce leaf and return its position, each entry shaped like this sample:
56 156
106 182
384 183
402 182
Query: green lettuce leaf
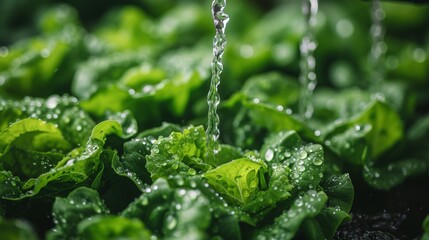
179 153
312 214
44 64
127 121
305 161
238 180
80 204
112 227
73 168
133 162
392 174
63 111
121 30
268 197
381 128
185 208
101 71
307 205
273 88
31 137
340 192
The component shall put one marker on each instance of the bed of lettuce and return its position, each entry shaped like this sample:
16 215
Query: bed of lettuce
103 114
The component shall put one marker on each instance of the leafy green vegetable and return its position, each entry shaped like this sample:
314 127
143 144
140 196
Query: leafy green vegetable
307 205
238 180
16 229
386 177
31 136
80 204
385 130
19 177
75 124
305 161
126 69
112 227
271 87
121 29
43 65
180 153
315 215
185 208
140 86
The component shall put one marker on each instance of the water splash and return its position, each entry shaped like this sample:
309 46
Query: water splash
307 47
378 46
220 19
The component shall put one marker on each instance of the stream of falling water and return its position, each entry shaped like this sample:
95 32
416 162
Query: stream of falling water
308 62
378 46
220 19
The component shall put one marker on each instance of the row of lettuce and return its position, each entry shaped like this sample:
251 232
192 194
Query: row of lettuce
276 177
53 147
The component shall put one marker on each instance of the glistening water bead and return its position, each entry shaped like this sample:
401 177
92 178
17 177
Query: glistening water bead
220 19
308 62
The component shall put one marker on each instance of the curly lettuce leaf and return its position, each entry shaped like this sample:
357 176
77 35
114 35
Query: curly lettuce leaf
121 30
172 94
80 204
33 139
238 180
356 125
272 117
134 81
410 158
185 208
43 65
63 111
307 205
273 88
305 161
74 168
101 71
126 120
254 117
133 162
340 192
111 226
382 128
179 153
164 130
313 214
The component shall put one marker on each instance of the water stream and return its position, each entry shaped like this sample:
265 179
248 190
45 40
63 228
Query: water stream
220 19
307 47
378 46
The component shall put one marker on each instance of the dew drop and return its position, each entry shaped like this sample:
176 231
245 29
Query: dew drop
171 222
317 161
269 155
192 171
303 154
52 102
299 202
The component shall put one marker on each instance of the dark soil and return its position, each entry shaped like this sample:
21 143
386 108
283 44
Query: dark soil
381 215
